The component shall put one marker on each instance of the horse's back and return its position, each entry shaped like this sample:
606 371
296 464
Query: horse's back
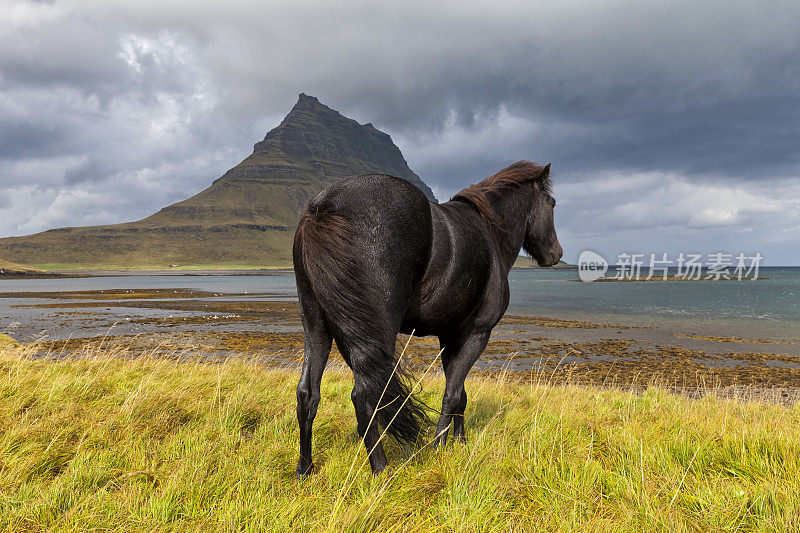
376 198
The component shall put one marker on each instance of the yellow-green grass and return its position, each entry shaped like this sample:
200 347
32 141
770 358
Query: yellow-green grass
117 442
15 268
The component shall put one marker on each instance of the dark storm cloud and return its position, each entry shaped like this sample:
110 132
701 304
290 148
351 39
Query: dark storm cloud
89 170
162 97
28 140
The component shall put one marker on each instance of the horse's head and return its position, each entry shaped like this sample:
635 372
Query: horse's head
540 240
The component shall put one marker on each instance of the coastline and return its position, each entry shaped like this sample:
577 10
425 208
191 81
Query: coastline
265 271
255 326
179 272
681 334
60 270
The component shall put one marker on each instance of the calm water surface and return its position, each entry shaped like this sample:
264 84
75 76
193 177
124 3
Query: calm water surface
751 307
767 308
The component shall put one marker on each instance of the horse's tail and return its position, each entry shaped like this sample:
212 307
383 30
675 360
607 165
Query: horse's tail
326 249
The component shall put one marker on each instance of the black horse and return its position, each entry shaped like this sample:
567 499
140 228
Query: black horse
374 257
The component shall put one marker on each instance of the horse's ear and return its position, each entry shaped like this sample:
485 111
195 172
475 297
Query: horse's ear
544 173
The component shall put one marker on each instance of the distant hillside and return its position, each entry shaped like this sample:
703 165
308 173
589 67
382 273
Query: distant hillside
246 218
529 262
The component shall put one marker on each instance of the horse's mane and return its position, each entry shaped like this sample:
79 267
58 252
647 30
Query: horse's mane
517 174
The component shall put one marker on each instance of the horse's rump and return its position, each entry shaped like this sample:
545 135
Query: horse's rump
332 252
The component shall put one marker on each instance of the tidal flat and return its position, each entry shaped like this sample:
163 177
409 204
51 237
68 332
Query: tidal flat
198 324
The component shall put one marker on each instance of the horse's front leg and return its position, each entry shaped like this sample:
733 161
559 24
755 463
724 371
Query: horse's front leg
458 357
316 351
458 417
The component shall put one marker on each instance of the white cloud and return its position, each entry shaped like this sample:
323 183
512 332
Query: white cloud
669 213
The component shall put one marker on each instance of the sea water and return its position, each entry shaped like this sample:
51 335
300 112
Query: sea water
762 308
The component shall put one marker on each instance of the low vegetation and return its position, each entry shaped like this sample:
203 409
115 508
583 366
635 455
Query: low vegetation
11 270
121 443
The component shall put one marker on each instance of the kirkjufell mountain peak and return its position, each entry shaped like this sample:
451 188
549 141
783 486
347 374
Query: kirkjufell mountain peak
247 216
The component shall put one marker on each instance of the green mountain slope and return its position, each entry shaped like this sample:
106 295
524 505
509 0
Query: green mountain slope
246 218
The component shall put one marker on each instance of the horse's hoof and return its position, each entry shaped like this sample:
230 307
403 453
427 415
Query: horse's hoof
303 473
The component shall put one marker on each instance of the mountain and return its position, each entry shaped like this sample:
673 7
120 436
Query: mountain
246 218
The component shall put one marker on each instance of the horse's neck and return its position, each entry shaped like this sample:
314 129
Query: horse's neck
512 207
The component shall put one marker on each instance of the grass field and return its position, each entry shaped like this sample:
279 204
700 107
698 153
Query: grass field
113 442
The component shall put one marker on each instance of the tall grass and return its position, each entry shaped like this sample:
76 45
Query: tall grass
138 443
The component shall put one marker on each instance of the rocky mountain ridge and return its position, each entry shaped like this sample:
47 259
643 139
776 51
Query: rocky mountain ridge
245 218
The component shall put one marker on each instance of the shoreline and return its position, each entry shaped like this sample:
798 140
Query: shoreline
268 271
190 270
179 272
215 326
238 317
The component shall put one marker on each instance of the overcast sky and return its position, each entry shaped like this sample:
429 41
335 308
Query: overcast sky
671 126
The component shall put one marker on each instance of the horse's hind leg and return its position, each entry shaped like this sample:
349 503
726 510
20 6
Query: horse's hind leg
461 356
367 392
316 349
368 428
458 417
